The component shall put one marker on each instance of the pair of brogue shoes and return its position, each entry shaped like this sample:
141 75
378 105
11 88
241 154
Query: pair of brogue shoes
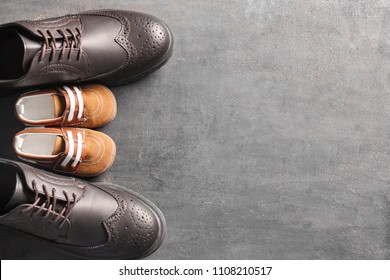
110 47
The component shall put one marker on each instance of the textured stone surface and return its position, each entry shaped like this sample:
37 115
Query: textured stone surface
266 136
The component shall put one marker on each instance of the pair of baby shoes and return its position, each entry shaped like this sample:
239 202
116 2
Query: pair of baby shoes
59 135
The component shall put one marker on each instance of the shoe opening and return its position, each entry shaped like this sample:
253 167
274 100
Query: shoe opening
11 54
7 184
39 144
40 107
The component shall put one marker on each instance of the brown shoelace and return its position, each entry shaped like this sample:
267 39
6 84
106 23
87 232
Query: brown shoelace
73 42
49 204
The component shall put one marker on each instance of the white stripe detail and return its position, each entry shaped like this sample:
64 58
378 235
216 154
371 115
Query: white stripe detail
79 149
72 102
81 102
71 149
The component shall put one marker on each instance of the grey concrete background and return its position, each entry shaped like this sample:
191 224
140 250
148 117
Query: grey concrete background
266 136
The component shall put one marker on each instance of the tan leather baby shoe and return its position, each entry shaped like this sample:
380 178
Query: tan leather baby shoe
76 151
83 106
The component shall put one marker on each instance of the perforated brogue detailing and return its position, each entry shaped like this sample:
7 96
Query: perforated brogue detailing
137 226
111 224
129 47
123 37
154 37
143 235
152 34
141 218
132 228
124 34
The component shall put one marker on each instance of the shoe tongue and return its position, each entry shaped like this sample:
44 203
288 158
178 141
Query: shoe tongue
59 105
22 195
31 47
59 146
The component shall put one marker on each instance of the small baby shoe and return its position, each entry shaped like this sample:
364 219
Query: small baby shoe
75 151
87 106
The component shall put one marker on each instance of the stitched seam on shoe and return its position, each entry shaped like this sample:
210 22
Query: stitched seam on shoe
99 155
53 178
88 64
112 117
45 69
121 19
110 222
112 160
99 109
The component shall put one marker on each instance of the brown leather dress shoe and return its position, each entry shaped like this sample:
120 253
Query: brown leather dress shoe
112 47
88 106
85 219
76 151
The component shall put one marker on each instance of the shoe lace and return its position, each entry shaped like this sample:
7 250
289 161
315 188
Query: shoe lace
49 203
70 41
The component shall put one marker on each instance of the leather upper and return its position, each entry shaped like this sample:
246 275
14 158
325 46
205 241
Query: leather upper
105 222
108 46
